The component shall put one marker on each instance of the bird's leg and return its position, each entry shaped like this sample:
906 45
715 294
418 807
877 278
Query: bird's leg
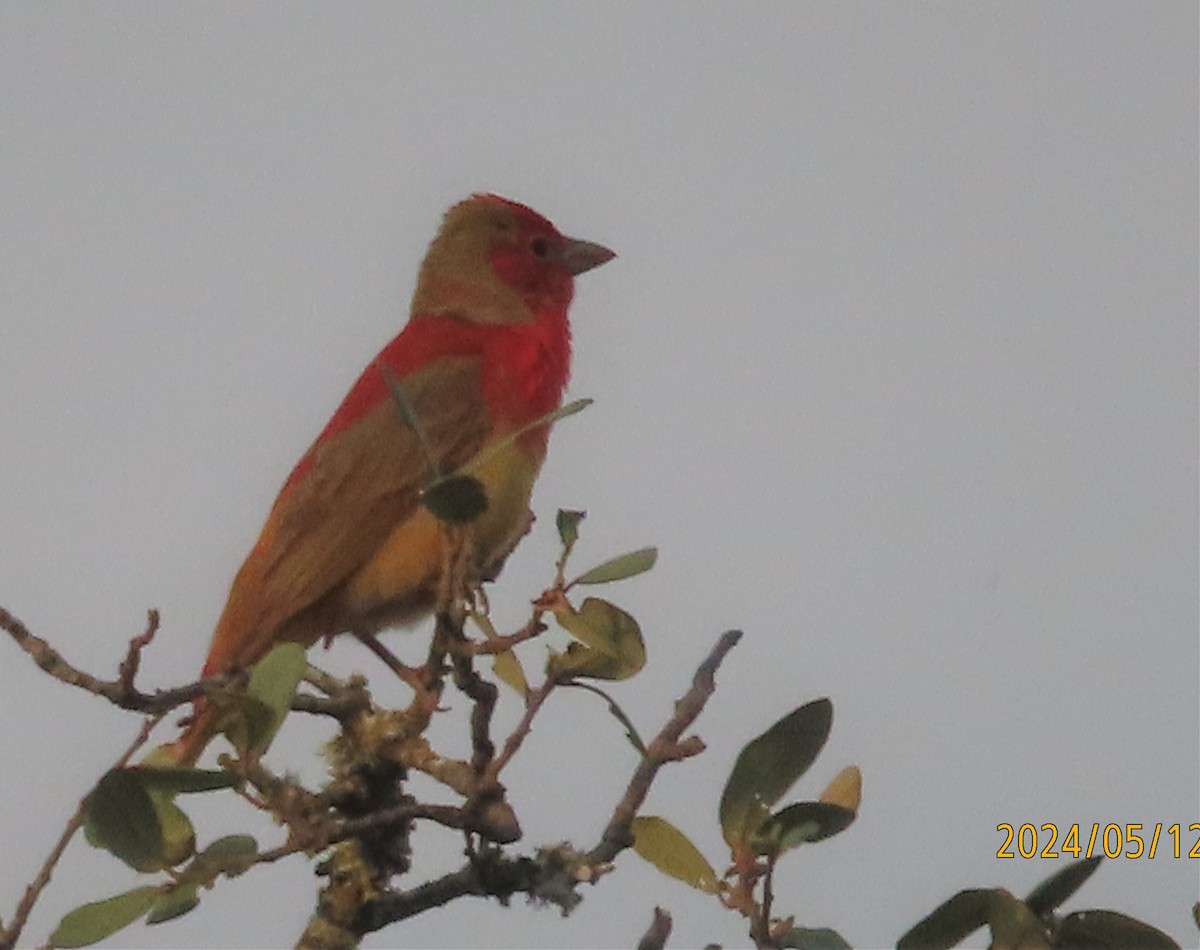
413 676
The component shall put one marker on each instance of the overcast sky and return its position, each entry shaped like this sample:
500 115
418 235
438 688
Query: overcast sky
897 366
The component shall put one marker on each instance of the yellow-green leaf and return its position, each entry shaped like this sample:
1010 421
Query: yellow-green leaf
260 713
93 922
179 837
670 850
845 789
769 765
508 669
612 646
619 568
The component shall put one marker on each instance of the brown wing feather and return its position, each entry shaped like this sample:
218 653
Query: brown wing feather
362 484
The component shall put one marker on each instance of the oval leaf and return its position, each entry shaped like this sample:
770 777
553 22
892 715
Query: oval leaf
769 765
179 837
273 682
613 648
173 903
814 938
1013 925
567 522
508 669
175 780
581 661
949 922
619 568
845 789
1059 886
1092 929
669 850
457 499
93 922
122 819
230 855
799 824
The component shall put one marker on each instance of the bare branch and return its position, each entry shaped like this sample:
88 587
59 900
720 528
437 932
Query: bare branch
120 692
655 937
665 747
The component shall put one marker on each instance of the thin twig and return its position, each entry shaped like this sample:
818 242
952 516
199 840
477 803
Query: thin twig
133 656
665 747
120 692
533 702
760 928
655 937
9 938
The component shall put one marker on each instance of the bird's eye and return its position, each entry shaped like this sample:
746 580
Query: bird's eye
539 247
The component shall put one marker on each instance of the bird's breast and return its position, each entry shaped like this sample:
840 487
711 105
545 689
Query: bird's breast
398 583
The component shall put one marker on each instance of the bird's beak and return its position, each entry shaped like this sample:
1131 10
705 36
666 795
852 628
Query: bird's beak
577 256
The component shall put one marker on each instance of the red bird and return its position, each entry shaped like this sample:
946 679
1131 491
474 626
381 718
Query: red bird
348 544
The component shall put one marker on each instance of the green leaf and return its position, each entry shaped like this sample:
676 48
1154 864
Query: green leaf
669 850
123 819
1059 886
1108 930
93 922
567 522
612 646
173 902
508 669
260 713
456 499
1011 922
769 765
619 568
177 780
815 938
949 922
799 824
231 855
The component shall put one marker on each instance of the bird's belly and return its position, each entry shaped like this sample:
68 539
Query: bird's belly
399 582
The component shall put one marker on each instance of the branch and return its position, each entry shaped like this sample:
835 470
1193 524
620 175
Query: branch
655 937
9 937
665 747
550 878
121 691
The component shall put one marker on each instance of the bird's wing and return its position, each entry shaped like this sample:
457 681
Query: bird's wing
356 487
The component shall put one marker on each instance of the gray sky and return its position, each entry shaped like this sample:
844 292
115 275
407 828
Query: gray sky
897 366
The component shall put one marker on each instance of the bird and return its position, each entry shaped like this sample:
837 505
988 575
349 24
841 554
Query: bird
348 544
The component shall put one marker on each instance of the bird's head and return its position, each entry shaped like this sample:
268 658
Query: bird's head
506 259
